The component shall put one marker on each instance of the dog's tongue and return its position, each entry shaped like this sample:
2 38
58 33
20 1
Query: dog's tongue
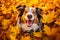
29 23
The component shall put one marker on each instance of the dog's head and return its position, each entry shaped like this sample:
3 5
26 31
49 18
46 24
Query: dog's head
29 15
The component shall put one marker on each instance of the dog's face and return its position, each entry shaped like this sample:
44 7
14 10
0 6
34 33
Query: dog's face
29 19
29 16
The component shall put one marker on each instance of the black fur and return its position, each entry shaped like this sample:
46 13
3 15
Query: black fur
38 12
21 9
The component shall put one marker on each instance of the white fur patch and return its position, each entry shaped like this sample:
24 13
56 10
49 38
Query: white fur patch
30 9
26 28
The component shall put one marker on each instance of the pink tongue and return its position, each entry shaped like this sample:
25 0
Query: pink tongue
29 23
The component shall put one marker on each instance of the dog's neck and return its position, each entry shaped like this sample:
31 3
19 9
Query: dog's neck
26 28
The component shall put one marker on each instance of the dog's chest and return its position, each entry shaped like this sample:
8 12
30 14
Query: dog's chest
34 27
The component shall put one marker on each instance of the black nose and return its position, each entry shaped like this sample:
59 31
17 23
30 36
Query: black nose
29 16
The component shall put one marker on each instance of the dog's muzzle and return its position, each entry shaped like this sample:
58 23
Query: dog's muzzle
29 16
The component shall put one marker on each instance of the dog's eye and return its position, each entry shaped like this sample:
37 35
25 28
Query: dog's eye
25 11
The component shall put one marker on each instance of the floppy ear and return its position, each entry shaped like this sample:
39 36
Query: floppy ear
21 8
38 12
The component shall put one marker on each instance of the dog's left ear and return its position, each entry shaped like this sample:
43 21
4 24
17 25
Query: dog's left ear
38 12
21 8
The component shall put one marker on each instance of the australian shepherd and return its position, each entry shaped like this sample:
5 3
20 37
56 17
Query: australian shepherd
28 20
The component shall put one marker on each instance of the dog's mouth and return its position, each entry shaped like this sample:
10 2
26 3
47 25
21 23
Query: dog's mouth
29 23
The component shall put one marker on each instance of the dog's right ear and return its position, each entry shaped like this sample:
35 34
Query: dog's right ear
38 12
21 9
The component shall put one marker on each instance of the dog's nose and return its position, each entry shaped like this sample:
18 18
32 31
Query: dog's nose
29 16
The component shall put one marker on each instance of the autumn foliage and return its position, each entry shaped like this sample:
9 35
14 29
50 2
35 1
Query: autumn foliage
9 15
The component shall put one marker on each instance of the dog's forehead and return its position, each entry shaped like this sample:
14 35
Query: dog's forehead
30 9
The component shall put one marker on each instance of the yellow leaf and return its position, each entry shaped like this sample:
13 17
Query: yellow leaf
47 30
49 17
26 38
38 34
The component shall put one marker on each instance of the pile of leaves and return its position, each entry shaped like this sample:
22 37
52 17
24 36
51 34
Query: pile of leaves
9 13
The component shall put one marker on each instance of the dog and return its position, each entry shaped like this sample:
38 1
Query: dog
28 20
